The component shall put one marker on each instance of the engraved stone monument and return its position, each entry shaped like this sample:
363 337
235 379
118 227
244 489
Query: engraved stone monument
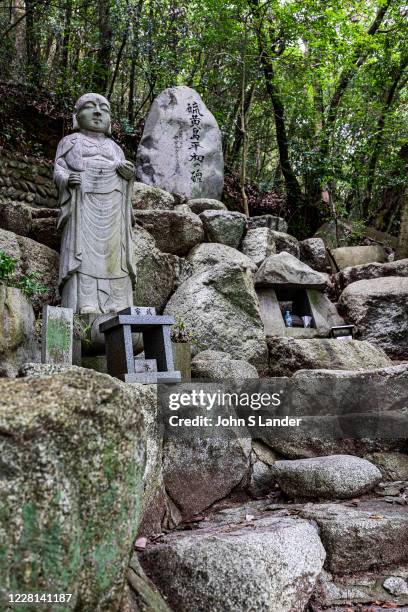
57 335
180 150
95 184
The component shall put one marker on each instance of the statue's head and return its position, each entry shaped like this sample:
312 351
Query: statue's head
92 112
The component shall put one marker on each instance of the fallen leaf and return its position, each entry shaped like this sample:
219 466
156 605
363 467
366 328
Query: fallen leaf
140 543
376 516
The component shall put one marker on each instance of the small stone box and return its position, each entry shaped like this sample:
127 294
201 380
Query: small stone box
120 358
57 335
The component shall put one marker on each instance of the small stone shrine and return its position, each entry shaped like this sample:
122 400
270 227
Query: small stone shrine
121 363
284 283
181 150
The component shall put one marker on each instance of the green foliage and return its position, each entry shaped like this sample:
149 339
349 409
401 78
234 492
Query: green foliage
7 266
358 233
319 50
180 333
29 284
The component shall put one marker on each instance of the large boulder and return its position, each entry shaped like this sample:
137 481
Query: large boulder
258 244
286 242
181 150
174 231
224 226
378 308
18 339
44 228
221 307
199 470
15 216
33 257
343 412
40 224
199 205
209 254
216 365
371 270
346 257
371 535
286 271
72 465
393 466
340 233
274 223
287 355
156 272
266 564
332 477
151 198
313 253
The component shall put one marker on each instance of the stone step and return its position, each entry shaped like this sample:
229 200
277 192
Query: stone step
366 536
255 563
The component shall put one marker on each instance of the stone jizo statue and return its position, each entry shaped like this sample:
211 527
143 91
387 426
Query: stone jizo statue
95 185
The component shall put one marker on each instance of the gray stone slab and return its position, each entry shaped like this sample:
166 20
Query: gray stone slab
137 323
57 335
270 312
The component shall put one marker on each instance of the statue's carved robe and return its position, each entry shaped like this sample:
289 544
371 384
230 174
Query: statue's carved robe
96 267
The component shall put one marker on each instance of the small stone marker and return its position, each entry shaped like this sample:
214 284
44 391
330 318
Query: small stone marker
181 149
57 335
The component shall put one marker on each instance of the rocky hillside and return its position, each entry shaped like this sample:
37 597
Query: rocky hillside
99 503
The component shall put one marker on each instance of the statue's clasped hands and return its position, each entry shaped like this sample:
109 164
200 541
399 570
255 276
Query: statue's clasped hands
126 170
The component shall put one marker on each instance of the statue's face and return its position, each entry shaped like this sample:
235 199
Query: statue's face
94 115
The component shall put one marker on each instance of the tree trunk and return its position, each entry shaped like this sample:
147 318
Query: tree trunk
66 38
135 53
118 60
18 18
293 190
402 251
101 76
33 58
238 133
376 150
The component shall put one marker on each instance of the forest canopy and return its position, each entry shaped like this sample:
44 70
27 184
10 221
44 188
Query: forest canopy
310 95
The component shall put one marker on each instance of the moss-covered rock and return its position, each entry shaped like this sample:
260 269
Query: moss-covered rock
72 458
18 341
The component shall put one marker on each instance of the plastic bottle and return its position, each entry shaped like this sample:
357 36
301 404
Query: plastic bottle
288 319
